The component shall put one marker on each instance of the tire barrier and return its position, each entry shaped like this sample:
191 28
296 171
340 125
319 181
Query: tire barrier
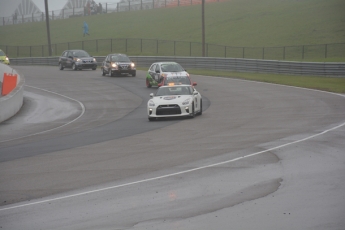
9 83
12 100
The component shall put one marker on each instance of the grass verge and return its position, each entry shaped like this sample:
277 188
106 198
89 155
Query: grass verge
329 84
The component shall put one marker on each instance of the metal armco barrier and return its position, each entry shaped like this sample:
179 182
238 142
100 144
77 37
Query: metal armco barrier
227 64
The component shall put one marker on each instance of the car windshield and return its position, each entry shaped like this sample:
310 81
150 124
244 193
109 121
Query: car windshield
171 67
80 53
120 58
177 80
181 90
2 53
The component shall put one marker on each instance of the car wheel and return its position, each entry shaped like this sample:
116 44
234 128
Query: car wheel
110 73
60 66
74 67
134 74
152 118
94 68
200 113
148 85
192 115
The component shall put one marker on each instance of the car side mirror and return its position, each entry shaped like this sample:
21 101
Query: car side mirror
195 92
194 84
70 57
157 71
151 95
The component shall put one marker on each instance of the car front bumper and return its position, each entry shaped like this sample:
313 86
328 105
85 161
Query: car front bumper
169 110
81 65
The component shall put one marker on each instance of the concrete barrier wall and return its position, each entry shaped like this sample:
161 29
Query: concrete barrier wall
12 102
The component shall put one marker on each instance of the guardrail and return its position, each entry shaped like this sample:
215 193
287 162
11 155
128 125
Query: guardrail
227 64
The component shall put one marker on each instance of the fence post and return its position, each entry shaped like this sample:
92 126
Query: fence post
174 48
190 48
325 50
141 45
263 52
225 51
284 53
302 52
242 52
206 49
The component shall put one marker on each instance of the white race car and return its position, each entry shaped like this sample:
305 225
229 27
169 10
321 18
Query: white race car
173 101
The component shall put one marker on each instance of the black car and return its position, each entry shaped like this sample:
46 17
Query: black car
77 59
116 64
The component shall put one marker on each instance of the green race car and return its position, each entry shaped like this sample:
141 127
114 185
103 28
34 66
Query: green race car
3 58
167 73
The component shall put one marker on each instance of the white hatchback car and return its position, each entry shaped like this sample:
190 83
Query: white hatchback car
174 101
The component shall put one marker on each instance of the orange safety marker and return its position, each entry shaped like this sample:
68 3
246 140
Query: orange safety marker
9 83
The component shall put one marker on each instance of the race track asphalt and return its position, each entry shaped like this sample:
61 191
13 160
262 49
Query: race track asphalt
81 154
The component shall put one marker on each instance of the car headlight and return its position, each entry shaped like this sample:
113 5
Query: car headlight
77 59
94 59
151 103
186 102
113 65
132 65
6 58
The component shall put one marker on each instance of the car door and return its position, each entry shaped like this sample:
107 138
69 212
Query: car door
107 63
63 58
157 73
69 59
152 72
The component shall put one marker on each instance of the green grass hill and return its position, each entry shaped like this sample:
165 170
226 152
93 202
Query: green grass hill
249 23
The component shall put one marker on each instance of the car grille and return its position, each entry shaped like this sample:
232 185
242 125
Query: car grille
87 62
124 67
168 110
